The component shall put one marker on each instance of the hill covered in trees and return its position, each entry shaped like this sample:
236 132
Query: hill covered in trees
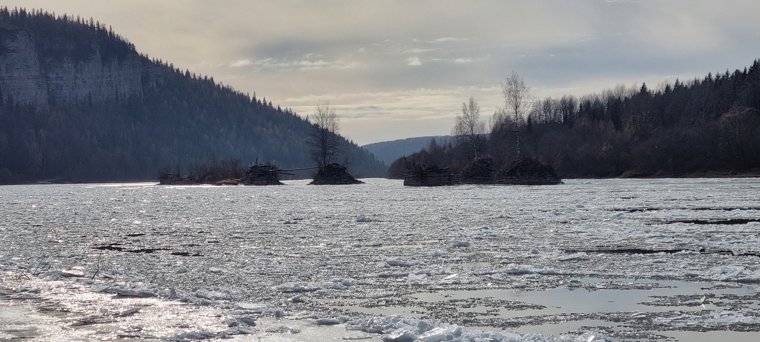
708 126
389 151
79 103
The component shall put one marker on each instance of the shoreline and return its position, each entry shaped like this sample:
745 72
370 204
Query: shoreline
693 175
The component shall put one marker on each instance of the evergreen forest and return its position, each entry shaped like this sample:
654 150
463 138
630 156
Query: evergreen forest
136 117
703 127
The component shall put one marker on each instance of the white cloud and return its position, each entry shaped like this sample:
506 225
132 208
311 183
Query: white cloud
448 40
460 60
241 63
375 116
413 61
415 51
308 62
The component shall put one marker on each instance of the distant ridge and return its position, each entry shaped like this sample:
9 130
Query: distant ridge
389 151
79 103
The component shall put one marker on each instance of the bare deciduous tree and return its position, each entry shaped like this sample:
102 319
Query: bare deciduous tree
324 138
469 129
516 96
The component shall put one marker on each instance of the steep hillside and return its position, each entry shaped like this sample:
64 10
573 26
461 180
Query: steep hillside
79 103
389 151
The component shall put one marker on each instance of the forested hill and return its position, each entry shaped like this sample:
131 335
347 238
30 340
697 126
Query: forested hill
706 126
389 151
79 103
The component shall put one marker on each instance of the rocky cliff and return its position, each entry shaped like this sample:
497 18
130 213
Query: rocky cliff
28 79
20 75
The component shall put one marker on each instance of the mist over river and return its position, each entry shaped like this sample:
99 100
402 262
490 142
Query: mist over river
648 259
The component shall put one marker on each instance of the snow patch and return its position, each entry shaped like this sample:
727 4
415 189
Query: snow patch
215 294
438 253
339 284
732 273
461 244
284 329
574 257
401 263
59 274
365 219
294 287
401 329
527 269
125 292
327 321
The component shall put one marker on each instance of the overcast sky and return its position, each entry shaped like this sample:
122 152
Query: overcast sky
396 69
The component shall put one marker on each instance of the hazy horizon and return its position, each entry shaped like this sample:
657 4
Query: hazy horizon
396 69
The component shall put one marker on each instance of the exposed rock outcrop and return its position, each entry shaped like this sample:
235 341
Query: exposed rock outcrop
27 79
20 75
334 174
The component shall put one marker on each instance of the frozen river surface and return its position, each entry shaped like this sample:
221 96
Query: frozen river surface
667 259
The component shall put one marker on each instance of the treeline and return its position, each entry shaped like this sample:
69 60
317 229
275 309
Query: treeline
177 120
705 126
69 36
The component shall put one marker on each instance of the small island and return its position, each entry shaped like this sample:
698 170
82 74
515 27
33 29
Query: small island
526 171
227 173
419 175
467 160
334 174
325 146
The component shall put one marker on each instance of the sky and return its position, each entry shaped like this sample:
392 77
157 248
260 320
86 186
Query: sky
396 69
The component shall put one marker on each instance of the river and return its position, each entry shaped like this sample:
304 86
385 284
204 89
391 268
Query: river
631 259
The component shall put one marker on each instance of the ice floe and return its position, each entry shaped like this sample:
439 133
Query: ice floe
366 253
